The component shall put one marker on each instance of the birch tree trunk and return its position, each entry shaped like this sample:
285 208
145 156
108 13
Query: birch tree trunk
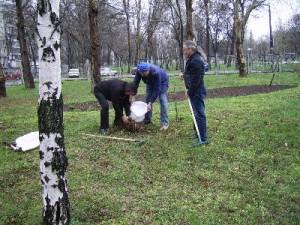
53 159
95 42
26 68
2 83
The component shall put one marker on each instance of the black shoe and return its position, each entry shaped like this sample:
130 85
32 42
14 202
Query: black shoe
197 143
146 122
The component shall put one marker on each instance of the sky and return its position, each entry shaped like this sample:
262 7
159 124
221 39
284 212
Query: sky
282 10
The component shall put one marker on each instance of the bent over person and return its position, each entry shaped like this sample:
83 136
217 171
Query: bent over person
193 78
119 93
157 84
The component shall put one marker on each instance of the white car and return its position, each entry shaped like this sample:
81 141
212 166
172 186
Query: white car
106 71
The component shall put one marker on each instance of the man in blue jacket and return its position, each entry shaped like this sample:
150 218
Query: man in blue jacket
157 84
194 82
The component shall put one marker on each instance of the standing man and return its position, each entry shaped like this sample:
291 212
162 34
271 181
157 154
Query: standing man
193 78
157 84
119 93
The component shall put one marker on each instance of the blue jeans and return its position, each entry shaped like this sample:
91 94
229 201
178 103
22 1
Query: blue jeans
164 105
199 110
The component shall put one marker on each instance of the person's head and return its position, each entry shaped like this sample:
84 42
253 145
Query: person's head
133 71
189 48
143 69
130 89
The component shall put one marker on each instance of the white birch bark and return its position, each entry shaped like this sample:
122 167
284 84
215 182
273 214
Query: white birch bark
53 160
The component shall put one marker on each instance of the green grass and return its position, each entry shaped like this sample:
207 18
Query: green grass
249 174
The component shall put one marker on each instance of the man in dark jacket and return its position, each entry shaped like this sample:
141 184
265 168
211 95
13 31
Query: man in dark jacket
157 84
118 92
193 78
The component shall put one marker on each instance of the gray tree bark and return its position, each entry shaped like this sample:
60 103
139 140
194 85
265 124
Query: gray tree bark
239 41
207 30
189 20
26 68
95 42
126 11
138 32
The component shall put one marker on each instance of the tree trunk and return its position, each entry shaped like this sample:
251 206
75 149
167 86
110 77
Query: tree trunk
238 42
126 10
189 20
271 32
2 83
138 31
232 44
108 58
53 158
27 75
33 57
207 28
69 53
181 60
95 42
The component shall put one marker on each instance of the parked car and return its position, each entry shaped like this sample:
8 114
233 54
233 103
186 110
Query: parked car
13 75
73 73
106 71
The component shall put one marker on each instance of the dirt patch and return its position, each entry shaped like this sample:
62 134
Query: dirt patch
179 96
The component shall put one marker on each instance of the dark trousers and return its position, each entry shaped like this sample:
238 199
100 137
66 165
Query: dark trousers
199 110
104 115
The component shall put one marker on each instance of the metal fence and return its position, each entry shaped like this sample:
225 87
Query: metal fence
289 62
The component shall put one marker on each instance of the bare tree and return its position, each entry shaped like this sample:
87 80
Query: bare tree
242 10
53 158
126 5
239 40
218 24
271 31
189 20
207 27
26 68
138 4
231 38
95 42
155 13
176 23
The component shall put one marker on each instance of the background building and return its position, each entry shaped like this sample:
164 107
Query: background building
9 46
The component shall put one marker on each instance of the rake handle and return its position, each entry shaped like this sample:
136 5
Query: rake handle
113 138
194 119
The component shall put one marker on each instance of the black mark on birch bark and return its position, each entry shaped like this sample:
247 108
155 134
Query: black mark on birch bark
48 55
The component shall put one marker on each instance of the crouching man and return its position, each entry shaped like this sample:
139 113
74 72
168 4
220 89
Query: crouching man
119 93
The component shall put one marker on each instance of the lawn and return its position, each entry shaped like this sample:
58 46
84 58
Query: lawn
249 174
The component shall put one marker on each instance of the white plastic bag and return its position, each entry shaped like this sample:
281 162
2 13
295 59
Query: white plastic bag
27 142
